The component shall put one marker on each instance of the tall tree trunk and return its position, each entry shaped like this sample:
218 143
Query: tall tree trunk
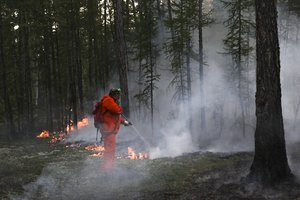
151 56
26 72
239 67
91 58
201 63
170 16
189 83
60 94
72 64
48 77
270 163
6 96
106 63
77 55
122 54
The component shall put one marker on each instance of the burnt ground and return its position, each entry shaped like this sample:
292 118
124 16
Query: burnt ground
36 170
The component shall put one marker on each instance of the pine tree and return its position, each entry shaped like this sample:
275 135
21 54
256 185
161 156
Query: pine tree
146 55
237 45
122 54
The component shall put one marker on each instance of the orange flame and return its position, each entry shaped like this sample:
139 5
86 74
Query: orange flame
80 124
84 122
100 154
97 148
43 134
58 136
94 147
133 156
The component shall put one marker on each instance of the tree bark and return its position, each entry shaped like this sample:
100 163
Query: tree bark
90 27
189 82
270 163
24 65
122 54
6 97
201 63
239 68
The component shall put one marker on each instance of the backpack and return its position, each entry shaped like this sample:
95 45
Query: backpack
99 114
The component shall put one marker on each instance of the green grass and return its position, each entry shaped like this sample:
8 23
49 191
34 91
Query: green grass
23 163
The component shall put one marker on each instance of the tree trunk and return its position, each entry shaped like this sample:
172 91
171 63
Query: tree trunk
106 63
48 77
270 163
201 63
77 57
91 58
24 64
239 67
122 54
152 68
6 97
170 16
189 83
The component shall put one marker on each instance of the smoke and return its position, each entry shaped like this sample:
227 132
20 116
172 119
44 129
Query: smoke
177 129
175 138
83 180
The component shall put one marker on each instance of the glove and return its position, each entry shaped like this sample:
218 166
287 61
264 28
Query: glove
127 123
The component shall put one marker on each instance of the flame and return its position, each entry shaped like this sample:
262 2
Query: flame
97 148
80 124
43 134
133 156
84 122
100 154
94 147
58 136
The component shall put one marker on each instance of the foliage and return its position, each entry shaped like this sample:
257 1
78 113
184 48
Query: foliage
146 51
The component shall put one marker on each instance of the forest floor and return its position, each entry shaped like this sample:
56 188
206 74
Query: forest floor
36 170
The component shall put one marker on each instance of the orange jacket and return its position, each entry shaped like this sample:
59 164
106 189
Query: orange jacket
111 115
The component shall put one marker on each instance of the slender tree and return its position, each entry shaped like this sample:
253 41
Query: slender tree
201 63
5 93
122 54
146 54
237 45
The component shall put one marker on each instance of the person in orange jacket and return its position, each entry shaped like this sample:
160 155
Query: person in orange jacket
107 118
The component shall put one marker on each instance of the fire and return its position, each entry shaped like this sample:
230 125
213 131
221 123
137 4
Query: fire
58 136
97 148
100 154
133 156
84 122
80 124
43 134
94 147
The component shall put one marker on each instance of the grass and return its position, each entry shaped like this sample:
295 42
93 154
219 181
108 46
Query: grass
73 172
